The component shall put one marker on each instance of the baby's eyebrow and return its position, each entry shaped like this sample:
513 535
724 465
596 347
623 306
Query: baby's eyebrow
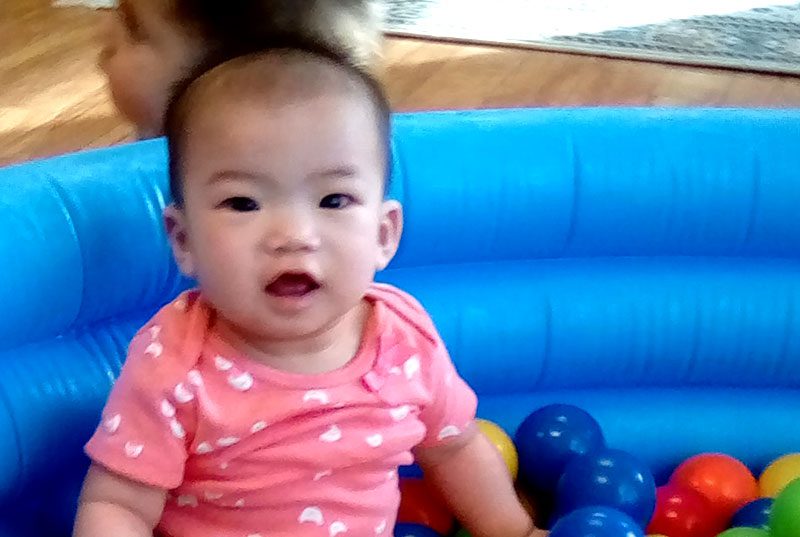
344 171
230 175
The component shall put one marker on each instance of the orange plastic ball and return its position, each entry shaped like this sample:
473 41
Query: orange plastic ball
421 505
723 480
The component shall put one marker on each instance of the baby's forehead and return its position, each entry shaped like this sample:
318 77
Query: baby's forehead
283 74
272 81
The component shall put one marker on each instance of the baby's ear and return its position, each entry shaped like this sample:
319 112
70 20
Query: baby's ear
175 223
389 233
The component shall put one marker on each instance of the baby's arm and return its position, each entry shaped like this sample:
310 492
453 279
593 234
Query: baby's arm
112 505
474 481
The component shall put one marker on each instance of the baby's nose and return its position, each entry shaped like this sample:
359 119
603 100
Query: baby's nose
292 233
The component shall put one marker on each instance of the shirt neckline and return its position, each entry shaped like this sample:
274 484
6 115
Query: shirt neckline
359 365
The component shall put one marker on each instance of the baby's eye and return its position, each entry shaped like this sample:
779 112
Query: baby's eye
336 201
240 204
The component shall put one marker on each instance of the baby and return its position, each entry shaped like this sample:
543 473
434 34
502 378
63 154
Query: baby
150 46
280 397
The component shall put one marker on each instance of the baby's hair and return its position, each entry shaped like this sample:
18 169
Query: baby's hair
351 28
303 68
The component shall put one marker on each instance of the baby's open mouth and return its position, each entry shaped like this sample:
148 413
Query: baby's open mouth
292 285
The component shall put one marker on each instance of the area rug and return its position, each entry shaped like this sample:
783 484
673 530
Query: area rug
756 35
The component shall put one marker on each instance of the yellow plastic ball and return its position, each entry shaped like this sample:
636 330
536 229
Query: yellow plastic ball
778 474
500 439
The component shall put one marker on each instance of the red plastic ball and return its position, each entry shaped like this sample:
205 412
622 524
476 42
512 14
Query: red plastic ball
683 512
421 505
723 480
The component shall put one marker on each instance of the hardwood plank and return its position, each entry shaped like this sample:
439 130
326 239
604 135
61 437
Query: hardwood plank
53 97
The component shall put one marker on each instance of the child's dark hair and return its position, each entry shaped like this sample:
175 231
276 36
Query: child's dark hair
182 105
352 28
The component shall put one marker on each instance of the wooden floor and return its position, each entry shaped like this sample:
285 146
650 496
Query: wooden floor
53 98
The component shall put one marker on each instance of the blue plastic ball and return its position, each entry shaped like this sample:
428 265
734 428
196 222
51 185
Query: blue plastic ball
414 530
412 470
551 437
755 514
596 522
608 477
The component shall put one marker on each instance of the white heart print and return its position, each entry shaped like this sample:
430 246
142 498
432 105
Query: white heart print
337 528
227 441
177 429
182 393
203 448
180 304
155 330
448 432
313 515
258 427
195 377
400 413
411 367
241 382
155 349
167 409
333 434
222 364
320 475
187 500
133 450
380 528
375 440
111 425
319 396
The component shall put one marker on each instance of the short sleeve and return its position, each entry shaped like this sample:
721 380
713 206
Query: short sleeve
148 420
453 403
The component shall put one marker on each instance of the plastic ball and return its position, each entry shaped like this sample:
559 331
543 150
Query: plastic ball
608 477
462 533
755 514
683 512
414 530
421 505
778 474
500 439
596 522
551 437
784 521
412 470
744 532
722 479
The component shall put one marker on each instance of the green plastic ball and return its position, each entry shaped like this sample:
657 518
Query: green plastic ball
785 518
744 532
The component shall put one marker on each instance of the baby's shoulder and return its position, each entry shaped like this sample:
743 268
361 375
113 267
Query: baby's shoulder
405 323
405 310
169 345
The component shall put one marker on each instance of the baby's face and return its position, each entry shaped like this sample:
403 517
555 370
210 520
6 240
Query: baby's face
284 215
144 54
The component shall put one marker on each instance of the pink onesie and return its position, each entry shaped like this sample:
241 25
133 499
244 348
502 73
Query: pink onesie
246 450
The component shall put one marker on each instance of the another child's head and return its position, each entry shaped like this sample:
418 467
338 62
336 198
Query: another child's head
278 171
152 45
